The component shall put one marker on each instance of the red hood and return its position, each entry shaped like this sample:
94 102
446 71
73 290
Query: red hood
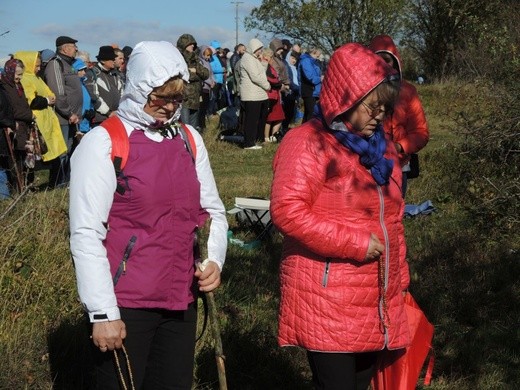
353 71
385 44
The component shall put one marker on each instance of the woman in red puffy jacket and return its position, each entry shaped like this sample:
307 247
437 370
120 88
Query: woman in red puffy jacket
336 198
406 126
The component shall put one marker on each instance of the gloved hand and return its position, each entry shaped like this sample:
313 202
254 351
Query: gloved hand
89 114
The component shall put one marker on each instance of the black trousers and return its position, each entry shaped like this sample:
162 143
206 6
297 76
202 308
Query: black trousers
289 109
341 371
161 348
255 116
308 107
203 110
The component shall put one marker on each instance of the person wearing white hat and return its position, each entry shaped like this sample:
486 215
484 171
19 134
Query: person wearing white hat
133 249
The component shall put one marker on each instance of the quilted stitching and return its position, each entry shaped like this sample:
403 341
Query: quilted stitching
353 71
323 197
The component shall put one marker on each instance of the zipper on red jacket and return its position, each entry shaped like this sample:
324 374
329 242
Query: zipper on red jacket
383 309
326 274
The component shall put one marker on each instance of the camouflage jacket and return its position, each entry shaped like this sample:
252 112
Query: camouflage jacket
198 72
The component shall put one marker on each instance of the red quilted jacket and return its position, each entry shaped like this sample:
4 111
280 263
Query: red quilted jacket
407 125
326 204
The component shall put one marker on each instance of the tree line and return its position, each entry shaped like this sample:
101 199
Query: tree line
438 38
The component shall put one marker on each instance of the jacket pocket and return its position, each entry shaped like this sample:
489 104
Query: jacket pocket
121 270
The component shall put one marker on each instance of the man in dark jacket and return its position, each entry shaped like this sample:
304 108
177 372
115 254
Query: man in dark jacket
233 80
104 85
187 45
66 85
276 46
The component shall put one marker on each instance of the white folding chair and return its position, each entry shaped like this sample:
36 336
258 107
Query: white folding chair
257 214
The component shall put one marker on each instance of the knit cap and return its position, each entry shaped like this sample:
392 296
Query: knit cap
78 65
215 44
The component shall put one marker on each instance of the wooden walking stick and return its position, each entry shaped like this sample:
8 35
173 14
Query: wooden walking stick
215 330
19 181
200 248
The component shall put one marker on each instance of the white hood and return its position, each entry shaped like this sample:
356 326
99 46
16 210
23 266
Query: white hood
150 65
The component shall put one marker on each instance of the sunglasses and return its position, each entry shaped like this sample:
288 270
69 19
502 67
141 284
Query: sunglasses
163 101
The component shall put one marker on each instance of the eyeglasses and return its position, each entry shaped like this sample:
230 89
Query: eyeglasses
373 111
163 101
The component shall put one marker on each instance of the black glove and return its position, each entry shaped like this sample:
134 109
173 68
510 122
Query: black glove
89 114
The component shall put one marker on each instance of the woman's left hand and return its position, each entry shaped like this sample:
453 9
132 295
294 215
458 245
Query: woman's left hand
209 279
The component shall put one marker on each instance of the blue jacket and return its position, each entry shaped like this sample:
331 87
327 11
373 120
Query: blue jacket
309 76
84 125
217 68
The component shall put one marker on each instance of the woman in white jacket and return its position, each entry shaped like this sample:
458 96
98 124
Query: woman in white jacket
133 235
253 93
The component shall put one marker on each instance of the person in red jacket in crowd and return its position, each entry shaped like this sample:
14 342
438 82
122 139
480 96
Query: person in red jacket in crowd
407 124
336 198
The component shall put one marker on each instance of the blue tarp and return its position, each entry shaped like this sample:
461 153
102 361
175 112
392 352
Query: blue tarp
425 208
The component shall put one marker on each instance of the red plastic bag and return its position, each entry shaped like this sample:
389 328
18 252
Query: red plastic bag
400 369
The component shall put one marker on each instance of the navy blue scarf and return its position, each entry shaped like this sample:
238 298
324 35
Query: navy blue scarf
370 150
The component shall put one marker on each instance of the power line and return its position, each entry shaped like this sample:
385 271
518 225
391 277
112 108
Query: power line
236 19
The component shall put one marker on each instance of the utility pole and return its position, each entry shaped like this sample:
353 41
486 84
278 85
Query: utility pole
236 19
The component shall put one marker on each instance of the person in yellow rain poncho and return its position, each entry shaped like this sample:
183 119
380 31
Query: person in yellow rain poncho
41 100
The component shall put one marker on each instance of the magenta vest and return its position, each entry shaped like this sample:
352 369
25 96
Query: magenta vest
153 225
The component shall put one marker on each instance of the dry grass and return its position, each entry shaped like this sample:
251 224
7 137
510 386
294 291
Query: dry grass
464 276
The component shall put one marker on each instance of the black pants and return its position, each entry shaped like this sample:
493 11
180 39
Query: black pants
59 173
161 348
341 371
203 110
289 109
308 107
217 101
255 115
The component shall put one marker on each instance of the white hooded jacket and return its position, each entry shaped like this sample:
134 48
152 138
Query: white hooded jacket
93 179
253 79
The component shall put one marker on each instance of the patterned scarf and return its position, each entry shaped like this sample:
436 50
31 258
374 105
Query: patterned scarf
9 72
166 129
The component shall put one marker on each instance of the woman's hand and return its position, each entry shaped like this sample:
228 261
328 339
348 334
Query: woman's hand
108 335
375 248
209 276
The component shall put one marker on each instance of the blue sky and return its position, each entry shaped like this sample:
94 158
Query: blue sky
35 24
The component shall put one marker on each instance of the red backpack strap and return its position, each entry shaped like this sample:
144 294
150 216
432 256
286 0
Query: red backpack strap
189 140
120 144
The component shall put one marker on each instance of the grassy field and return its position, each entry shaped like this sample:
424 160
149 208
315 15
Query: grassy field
464 277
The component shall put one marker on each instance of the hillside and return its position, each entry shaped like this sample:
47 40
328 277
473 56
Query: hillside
464 267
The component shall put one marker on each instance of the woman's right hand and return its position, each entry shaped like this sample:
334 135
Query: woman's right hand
375 248
108 335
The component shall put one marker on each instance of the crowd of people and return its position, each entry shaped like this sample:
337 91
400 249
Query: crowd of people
337 193
63 91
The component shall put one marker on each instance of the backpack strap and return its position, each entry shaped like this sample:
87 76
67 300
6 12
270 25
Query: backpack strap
189 140
120 146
